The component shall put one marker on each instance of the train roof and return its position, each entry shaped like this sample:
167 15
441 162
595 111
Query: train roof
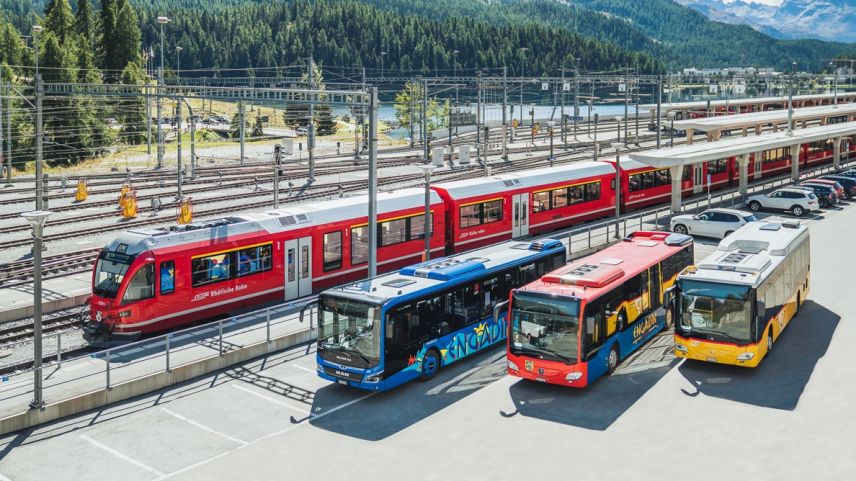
750 254
463 189
440 272
292 217
592 276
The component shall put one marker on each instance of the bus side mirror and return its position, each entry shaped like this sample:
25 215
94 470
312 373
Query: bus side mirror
498 308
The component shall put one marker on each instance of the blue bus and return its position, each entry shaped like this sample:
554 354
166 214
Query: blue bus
379 333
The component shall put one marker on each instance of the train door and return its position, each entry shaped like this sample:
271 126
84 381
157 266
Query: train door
298 268
698 178
520 215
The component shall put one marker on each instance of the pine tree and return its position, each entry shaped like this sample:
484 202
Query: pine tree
59 20
126 35
297 114
84 23
133 110
108 40
66 137
11 45
235 126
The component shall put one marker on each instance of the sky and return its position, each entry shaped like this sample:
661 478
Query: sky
765 2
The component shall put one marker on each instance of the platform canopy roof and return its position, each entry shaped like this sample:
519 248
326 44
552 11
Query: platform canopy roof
702 104
732 147
739 121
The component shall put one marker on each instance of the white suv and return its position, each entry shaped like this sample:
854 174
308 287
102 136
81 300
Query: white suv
711 223
795 200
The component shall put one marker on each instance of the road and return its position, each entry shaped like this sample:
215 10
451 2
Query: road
793 418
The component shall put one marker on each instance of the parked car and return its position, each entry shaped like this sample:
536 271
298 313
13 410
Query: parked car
795 200
840 193
302 131
717 223
848 173
826 195
848 183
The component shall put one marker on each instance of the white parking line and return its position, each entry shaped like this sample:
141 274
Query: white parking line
121 456
304 368
269 399
203 427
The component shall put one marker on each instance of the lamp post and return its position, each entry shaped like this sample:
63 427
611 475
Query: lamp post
455 72
427 170
550 125
161 21
522 51
37 220
834 85
36 30
382 55
671 115
791 99
618 128
617 147
178 63
37 90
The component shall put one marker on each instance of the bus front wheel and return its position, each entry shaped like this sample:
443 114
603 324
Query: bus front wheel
430 365
769 341
612 359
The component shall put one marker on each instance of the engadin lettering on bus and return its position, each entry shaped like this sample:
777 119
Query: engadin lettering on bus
218 292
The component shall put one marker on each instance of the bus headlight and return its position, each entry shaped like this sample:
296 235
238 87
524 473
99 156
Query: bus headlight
745 356
513 366
374 378
681 347
573 376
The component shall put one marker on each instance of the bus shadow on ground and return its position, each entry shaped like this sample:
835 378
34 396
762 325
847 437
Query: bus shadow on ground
779 381
594 407
387 413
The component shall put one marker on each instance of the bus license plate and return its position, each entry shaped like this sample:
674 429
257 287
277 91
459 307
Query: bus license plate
342 382
711 359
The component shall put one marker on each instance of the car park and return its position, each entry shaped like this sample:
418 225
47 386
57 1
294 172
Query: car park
795 200
839 190
717 223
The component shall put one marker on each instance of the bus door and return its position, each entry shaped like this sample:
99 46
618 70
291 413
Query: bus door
698 178
298 268
520 215
655 286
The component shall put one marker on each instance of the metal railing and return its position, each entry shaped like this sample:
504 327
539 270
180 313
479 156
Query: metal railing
126 362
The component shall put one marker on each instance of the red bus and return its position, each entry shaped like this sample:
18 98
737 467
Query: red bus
579 321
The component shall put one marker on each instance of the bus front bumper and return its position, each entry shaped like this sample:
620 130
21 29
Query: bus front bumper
717 352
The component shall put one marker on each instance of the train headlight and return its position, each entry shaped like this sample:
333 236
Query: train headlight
513 366
125 314
681 347
573 376
745 356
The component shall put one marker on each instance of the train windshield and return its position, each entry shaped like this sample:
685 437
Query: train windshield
349 331
109 272
545 327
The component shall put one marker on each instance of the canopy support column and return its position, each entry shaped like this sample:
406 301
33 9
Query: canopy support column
795 162
836 153
743 175
690 133
677 173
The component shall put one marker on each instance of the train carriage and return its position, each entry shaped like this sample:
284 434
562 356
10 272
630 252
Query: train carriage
485 211
150 280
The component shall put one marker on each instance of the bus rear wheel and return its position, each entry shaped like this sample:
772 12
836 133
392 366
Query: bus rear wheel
430 365
612 359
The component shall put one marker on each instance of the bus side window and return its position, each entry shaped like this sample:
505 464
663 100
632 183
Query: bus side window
594 327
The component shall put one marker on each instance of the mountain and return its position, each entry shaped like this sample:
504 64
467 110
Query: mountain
820 19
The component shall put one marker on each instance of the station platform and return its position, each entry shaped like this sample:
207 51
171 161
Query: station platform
57 294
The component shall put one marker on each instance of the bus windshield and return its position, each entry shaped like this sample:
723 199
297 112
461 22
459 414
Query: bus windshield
349 331
545 327
717 311
109 272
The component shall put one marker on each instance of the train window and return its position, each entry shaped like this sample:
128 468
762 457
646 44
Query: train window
559 197
393 232
211 268
359 245
167 277
416 226
592 191
142 285
688 173
492 211
470 215
304 262
254 259
540 201
332 251
291 266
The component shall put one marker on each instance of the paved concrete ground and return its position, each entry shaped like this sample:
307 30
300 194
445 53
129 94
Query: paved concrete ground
791 418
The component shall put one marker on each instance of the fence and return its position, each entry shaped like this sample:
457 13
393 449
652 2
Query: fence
279 327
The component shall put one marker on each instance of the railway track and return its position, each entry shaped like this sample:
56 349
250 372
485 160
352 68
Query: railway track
51 323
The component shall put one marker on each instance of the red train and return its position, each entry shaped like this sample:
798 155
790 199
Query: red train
155 279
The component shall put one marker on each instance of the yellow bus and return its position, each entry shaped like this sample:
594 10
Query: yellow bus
731 307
